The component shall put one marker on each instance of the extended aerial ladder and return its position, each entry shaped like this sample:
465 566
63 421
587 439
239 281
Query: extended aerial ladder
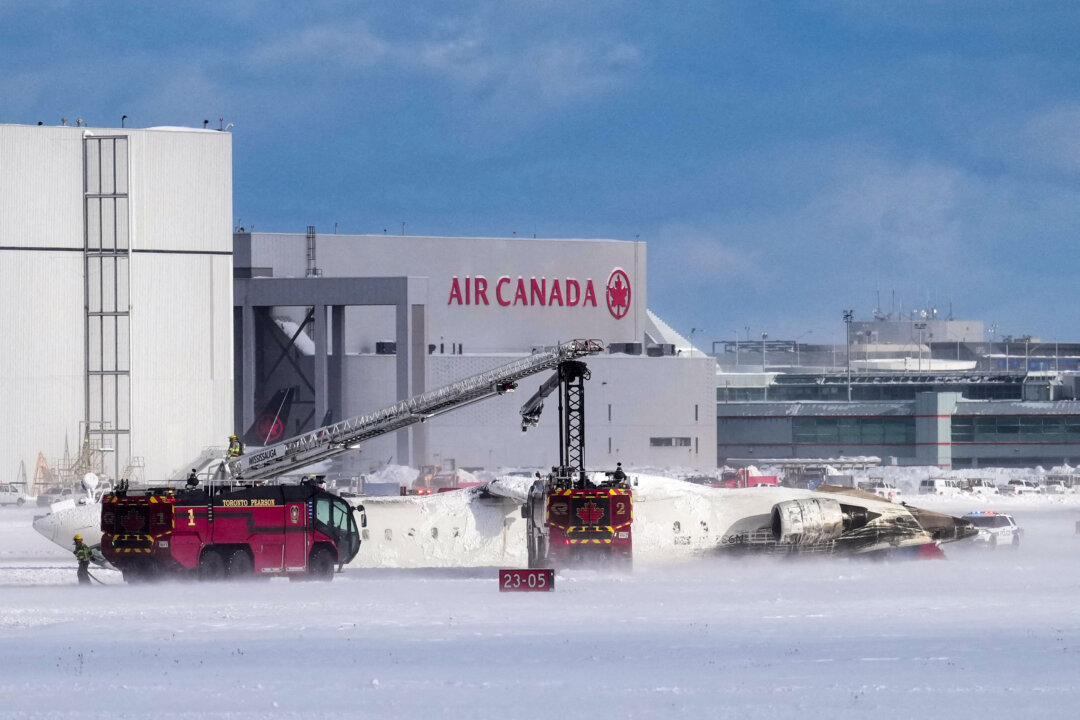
569 379
341 437
569 518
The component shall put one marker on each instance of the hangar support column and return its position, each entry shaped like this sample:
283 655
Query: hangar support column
411 348
336 398
320 363
328 298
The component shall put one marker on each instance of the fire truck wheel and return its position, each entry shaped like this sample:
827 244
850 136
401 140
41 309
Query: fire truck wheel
538 551
138 572
211 566
321 565
240 566
533 559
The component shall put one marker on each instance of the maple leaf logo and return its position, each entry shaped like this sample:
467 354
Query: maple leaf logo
590 513
618 293
132 521
270 428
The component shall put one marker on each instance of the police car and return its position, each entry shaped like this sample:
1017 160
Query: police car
996 529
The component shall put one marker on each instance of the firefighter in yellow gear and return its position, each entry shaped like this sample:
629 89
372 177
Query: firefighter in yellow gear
83 555
236 448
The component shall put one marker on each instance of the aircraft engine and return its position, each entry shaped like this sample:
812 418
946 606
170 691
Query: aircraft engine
807 522
90 481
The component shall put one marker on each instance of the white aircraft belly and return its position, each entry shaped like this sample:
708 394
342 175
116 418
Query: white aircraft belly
63 523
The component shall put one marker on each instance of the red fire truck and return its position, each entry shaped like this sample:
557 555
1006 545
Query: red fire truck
229 532
245 524
572 519
583 523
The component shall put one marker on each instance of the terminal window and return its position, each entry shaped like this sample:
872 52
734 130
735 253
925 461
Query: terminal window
669 442
853 431
1012 429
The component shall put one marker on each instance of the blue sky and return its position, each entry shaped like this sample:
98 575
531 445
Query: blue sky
784 160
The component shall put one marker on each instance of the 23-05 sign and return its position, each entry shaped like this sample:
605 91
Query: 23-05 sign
532 580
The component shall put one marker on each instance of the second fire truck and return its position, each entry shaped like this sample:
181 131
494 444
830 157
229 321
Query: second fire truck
572 519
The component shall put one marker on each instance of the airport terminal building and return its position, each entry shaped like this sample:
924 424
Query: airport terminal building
910 392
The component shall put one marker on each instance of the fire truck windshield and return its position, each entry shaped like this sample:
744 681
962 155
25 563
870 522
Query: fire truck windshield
333 516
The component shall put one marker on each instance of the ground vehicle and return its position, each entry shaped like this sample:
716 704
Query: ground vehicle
233 532
11 495
1069 481
741 479
442 482
1052 486
240 526
939 486
704 480
54 494
978 486
1019 487
572 519
883 489
995 529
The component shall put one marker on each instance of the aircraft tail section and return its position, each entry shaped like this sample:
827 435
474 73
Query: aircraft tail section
272 421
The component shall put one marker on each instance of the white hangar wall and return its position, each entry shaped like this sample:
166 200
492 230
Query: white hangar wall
148 272
628 402
532 291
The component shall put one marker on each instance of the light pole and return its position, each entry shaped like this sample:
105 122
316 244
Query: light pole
736 349
692 331
920 326
798 358
849 315
763 336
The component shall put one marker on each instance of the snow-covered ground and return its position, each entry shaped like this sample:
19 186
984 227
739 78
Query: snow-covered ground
994 634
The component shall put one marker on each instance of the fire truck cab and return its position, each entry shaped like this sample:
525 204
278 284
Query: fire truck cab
254 530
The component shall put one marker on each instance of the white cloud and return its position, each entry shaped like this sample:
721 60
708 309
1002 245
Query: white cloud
470 62
705 253
350 45
904 210
1052 138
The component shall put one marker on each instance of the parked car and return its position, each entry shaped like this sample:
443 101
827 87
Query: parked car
11 495
995 529
54 494
885 490
1019 487
1051 486
939 486
978 486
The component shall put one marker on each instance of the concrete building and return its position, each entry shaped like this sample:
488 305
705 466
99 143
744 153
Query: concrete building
356 323
953 403
116 284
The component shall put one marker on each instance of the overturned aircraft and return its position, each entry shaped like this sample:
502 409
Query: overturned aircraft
673 521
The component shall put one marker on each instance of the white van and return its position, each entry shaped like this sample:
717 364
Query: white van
978 486
11 495
939 486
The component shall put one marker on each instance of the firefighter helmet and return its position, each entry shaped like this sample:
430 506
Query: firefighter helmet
78 538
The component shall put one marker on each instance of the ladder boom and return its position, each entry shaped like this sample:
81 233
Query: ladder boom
332 440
